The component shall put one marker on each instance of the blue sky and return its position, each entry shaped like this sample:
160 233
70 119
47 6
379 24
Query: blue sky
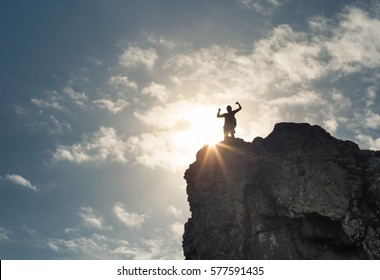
105 103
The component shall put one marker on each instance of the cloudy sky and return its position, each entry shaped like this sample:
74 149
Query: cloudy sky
105 103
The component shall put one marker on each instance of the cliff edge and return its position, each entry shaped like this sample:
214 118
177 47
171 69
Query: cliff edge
297 194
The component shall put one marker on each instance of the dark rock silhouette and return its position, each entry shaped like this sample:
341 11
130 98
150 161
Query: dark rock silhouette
297 194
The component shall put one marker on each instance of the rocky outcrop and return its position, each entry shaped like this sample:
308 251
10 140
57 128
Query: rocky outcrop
297 194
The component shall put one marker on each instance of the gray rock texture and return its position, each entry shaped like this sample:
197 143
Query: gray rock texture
297 194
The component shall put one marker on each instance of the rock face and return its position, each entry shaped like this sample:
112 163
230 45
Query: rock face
297 194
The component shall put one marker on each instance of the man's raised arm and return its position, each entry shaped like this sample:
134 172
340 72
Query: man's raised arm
238 109
219 115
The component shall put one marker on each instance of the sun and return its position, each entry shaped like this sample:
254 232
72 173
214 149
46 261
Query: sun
198 135
202 128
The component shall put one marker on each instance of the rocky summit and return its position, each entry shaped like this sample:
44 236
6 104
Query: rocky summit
299 193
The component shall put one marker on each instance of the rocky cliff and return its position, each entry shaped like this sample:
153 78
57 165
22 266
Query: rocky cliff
297 194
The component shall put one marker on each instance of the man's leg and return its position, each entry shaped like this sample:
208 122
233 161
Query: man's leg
225 130
232 133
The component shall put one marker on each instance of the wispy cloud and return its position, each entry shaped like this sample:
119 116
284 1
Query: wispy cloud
94 61
168 115
105 144
58 127
52 101
122 82
5 235
152 251
261 6
83 242
80 98
99 246
369 141
301 98
135 56
286 57
371 95
129 219
331 125
177 229
91 220
21 181
371 120
158 91
174 211
29 230
112 106
162 41
161 149
355 42
92 246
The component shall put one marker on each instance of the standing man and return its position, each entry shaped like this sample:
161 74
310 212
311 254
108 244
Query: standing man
229 120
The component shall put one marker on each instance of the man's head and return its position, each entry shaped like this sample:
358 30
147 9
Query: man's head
229 108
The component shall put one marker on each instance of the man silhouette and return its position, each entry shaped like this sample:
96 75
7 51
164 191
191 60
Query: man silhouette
229 120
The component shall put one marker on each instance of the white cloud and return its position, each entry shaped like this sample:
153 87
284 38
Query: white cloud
93 246
122 82
355 43
124 248
19 110
95 61
21 181
365 122
301 98
91 220
51 101
75 153
162 41
152 150
371 96
134 56
330 125
129 219
58 127
159 243
142 250
53 245
70 230
149 249
80 98
283 59
102 145
97 246
169 115
5 235
158 91
211 71
112 106
29 230
368 141
163 149
153 248
372 120
261 6
177 229
174 211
